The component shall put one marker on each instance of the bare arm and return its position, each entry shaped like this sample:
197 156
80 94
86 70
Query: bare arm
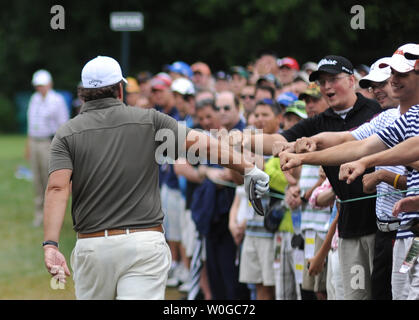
336 155
184 168
322 141
56 198
317 262
404 153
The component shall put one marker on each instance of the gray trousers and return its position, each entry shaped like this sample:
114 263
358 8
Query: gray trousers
356 261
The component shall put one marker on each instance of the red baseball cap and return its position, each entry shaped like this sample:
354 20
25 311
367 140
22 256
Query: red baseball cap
289 62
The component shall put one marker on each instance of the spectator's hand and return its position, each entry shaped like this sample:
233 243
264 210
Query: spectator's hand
289 160
316 265
370 181
237 231
55 263
280 146
407 204
292 197
215 174
305 144
261 180
351 170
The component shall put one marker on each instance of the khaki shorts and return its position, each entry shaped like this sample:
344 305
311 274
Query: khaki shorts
256 263
127 266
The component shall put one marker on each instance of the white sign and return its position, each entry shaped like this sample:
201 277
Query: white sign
127 21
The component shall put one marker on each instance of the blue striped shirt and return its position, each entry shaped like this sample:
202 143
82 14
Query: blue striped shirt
384 205
405 127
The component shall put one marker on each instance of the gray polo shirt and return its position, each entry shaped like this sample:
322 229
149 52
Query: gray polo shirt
110 149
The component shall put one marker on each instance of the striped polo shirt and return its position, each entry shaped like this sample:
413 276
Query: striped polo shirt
384 205
405 127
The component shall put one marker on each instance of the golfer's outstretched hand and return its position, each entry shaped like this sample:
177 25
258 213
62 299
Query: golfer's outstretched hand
261 180
351 170
55 263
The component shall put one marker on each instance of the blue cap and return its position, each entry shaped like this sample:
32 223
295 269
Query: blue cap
286 98
182 68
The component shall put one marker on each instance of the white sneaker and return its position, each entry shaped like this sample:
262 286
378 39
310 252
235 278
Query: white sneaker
185 287
172 282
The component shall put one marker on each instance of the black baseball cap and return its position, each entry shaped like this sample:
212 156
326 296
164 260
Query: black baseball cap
334 65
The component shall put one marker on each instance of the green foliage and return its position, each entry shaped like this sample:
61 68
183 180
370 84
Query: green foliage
8 119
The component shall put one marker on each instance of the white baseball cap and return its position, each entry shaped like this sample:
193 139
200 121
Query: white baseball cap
376 73
101 72
398 61
412 53
41 78
183 86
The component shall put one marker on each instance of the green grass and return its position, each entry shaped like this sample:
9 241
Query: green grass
22 271
23 274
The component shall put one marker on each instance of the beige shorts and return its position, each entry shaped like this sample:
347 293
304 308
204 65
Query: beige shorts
128 267
189 233
256 262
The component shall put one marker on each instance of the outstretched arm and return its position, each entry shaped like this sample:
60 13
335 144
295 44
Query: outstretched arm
334 156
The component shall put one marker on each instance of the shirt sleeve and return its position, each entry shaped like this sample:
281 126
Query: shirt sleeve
170 132
395 133
367 129
59 156
303 128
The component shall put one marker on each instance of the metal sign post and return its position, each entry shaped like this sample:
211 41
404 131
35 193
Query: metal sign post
126 22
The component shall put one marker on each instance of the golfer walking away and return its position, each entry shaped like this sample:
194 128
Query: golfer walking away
108 153
47 111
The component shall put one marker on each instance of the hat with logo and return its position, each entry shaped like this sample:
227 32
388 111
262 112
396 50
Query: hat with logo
376 74
288 62
100 72
334 65
298 107
201 67
41 78
313 90
398 61
183 86
132 86
286 98
161 81
182 68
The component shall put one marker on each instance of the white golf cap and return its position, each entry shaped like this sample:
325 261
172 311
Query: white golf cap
376 74
398 61
101 72
412 53
41 78
183 86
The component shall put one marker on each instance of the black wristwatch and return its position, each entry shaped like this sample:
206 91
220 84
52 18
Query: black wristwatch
50 242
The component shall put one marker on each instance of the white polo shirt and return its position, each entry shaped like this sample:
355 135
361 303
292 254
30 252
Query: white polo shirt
46 114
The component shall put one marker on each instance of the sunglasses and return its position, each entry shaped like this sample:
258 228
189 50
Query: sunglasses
244 96
225 108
